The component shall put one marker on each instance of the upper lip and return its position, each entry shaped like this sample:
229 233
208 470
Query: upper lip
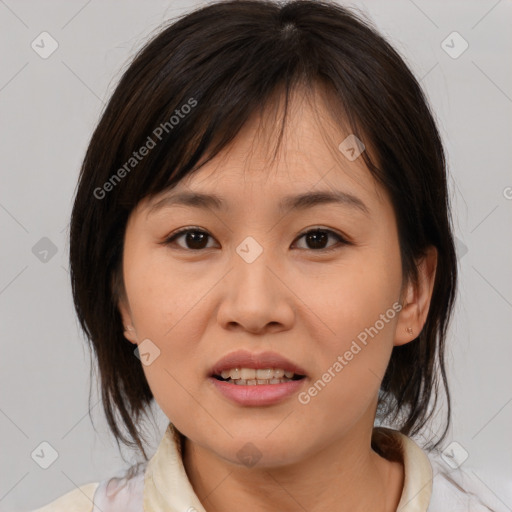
262 360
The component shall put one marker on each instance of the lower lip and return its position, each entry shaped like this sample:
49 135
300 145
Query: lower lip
258 394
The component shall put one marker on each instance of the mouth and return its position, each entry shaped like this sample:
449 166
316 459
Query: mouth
257 377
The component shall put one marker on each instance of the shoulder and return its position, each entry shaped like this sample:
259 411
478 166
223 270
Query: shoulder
77 500
122 493
432 481
458 490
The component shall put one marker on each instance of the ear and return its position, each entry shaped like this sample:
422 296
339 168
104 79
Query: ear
417 298
129 330
119 295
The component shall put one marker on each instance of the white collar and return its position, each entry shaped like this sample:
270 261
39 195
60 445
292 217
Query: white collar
168 489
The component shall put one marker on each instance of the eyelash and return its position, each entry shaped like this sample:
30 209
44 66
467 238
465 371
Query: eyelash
343 241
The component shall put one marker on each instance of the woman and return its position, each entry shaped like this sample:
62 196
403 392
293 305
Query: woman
261 243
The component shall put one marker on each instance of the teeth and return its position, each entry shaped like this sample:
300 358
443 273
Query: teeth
247 373
251 374
265 374
255 382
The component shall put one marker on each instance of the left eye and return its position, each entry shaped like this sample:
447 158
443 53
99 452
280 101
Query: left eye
196 239
318 237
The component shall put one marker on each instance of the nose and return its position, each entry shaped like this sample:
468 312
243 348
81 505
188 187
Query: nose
256 297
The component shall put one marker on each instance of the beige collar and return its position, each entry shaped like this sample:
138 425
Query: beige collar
168 489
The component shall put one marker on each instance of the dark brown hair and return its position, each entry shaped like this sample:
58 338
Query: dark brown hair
227 61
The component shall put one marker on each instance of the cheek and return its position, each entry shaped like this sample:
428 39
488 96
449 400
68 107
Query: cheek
164 303
161 295
352 295
350 364
358 308
165 307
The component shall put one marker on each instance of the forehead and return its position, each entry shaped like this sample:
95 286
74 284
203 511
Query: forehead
308 158
308 153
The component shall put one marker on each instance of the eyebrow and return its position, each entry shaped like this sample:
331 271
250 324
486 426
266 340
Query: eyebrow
292 202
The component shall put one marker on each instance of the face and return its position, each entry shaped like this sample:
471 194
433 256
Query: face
318 284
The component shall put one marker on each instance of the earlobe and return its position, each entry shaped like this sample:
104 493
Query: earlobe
406 329
129 334
129 331
416 305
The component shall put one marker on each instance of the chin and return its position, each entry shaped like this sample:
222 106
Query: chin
257 451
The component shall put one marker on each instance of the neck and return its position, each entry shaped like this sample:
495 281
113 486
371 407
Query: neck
346 475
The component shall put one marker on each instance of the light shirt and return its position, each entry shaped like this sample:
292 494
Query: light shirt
162 485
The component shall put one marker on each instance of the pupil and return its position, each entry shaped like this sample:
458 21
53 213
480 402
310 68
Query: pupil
314 238
194 239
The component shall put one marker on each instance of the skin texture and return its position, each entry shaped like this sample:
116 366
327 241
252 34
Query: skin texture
294 299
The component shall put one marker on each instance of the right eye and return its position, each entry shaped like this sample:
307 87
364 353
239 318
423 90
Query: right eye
194 239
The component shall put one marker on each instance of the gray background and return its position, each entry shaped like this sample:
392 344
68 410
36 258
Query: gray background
48 109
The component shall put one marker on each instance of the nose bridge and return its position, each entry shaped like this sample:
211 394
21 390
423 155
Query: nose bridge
255 297
251 272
